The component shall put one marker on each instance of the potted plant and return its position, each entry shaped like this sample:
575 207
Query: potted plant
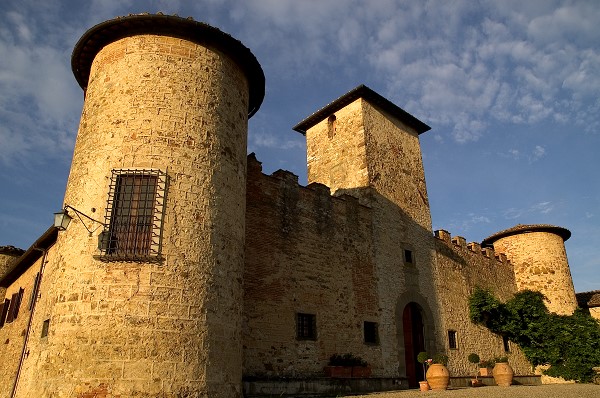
474 359
503 373
337 367
423 359
347 366
485 367
437 374
360 368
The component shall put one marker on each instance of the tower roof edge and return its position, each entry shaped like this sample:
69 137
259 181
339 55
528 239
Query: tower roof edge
95 38
365 92
524 228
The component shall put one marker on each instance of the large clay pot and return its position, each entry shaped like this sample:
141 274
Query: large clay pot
438 376
503 374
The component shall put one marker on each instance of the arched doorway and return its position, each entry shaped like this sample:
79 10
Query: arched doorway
414 342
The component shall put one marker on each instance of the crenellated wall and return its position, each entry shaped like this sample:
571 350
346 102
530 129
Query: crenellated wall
460 267
306 252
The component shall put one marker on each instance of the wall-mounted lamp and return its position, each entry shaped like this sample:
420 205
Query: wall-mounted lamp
62 219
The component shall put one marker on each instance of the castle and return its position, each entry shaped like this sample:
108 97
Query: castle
186 272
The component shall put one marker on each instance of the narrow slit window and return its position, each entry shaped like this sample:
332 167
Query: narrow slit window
452 343
506 344
408 256
331 126
134 216
45 327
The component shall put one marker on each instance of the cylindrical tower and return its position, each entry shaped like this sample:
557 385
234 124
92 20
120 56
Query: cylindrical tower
149 304
538 256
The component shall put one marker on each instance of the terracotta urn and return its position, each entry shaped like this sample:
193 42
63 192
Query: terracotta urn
438 376
503 374
424 386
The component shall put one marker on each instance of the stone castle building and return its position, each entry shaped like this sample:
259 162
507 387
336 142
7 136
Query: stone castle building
187 272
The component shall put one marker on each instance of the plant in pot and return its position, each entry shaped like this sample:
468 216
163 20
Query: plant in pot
437 374
503 373
485 367
423 359
474 359
346 366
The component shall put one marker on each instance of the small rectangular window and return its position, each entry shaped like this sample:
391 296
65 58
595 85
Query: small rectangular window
306 327
506 344
134 215
45 327
371 333
408 257
452 343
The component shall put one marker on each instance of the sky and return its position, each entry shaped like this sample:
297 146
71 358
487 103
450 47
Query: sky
510 89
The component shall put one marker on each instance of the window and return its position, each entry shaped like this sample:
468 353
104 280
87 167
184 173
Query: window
134 214
452 340
33 297
15 303
408 256
306 327
371 333
3 311
45 327
506 344
331 126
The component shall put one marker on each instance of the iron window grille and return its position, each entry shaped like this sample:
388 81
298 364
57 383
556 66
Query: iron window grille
306 326
134 216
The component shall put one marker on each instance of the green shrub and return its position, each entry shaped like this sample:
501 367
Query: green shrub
569 344
473 358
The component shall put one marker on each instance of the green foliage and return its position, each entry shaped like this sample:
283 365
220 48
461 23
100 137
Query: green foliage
422 357
441 359
569 344
487 363
473 358
346 360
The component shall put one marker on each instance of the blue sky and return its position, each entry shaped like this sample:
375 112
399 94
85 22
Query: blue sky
510 89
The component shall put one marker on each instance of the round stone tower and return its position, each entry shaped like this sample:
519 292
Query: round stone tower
145 296
538 255
8 255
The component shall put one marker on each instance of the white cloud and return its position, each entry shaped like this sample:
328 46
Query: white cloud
537 153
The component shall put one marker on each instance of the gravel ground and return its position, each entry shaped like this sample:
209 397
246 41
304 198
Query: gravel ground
543 391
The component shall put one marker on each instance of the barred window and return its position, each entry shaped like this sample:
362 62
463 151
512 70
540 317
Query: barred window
134 214
306 327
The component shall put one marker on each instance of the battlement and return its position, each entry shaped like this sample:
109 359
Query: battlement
299 206
458 243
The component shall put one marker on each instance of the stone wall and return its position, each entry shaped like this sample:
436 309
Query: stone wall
13 334
172 326
540 263
374 156
460 267
306 252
